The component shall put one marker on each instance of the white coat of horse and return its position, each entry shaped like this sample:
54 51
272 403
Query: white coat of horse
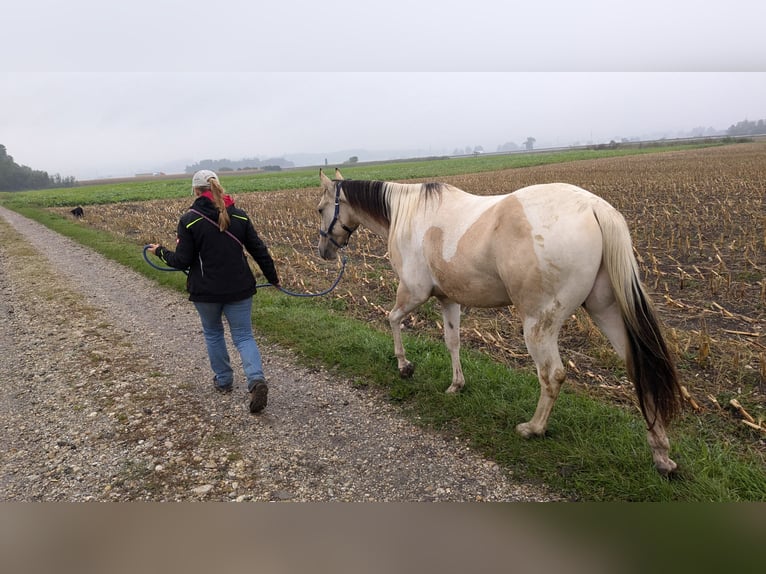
548 249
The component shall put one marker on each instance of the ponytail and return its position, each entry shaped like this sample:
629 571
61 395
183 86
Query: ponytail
218 193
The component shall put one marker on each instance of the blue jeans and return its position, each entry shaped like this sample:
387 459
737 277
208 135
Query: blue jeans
238 315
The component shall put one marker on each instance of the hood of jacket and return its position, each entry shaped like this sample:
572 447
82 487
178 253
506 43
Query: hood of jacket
204 203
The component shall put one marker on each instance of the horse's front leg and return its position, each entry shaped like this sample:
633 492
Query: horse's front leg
395 317
406 302
451 316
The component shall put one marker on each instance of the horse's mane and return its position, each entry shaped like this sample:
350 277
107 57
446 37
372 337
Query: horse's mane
392 204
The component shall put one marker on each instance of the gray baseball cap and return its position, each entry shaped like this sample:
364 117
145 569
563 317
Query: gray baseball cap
201 178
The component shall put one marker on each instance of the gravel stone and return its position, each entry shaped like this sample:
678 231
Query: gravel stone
107 396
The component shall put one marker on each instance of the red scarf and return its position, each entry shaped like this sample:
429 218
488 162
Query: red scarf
227 200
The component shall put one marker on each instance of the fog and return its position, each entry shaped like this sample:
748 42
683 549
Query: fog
96 90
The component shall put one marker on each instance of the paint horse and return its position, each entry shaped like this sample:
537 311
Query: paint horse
547 249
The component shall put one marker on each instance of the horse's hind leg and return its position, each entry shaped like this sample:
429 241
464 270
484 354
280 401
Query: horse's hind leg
541 337
658 442
610 321
605 312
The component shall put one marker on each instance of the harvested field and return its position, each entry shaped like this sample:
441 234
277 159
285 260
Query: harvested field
698 225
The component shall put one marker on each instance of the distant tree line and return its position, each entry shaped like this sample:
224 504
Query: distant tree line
15 177
747 128
270 164
743 128
529 145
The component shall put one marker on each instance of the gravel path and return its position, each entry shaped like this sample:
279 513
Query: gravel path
106 395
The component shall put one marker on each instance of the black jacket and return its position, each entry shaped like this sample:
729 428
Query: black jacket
218 268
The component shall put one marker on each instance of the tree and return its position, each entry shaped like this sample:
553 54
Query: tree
14 177
508 146
230 165
747 128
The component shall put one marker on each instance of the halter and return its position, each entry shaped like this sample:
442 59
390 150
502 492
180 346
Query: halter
336 219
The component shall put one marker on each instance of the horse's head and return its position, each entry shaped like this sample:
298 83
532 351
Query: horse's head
336 224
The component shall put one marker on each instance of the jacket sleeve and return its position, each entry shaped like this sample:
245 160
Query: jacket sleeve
257 248
181 258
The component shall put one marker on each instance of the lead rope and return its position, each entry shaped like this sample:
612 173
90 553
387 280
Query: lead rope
282 289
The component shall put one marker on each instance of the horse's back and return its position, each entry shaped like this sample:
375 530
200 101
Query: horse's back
557 200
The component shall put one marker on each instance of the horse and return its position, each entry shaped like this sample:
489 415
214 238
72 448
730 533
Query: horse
547 249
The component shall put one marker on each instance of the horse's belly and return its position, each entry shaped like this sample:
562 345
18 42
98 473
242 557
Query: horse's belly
472 290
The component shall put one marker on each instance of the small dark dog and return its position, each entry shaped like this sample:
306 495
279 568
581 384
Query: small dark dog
77 211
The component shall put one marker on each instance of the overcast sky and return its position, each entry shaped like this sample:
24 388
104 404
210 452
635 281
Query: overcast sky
93 88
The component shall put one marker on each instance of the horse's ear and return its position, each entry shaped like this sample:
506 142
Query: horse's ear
324 179
337 174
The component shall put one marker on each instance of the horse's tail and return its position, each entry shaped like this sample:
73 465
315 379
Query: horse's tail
649 363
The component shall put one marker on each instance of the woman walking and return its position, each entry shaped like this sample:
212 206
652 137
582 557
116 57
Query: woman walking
212 238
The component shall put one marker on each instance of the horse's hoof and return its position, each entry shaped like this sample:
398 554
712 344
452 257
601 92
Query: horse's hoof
407 371
666 467
454 389
526 430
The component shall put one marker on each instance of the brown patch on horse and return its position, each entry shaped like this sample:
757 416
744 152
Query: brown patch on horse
495 262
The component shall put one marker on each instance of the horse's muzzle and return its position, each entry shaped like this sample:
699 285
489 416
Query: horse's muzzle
327 250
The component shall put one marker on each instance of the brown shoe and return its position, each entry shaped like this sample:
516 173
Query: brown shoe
258 396
222 388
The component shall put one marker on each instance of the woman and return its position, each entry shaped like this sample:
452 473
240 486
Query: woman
212 238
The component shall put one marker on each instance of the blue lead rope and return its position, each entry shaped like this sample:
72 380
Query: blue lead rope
150 262
282 289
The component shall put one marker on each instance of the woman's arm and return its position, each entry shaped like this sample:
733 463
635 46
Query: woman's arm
182 257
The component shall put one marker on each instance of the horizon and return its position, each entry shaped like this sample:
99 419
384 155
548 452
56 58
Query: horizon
112 125
178 167
345 163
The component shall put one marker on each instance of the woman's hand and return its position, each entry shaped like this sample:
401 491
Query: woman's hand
153 248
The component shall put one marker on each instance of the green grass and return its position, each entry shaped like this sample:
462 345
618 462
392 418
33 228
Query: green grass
593 451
